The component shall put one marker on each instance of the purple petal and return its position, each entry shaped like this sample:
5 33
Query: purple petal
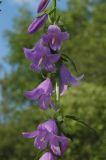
40 56
44 88
53 58
56 45
55 37
30 134
50 62
43 4
35 67
41 59
50 126
46 38
34 94
50 68
37 23
63 88
37 52
59 141
67 78
29 53
53 28
47 156
41 49
41 141
54 145
64 36
41 44
64 143
44 102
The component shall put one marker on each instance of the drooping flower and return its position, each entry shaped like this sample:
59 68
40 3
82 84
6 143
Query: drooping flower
66 78
47 134
43 4
64 144
59 144
48 156
41 57
55 37
42 94
37 23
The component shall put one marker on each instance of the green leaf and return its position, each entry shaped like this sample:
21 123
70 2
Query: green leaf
51 11
46 12
38 155
58 18
80 121
70 136
40 14
71 61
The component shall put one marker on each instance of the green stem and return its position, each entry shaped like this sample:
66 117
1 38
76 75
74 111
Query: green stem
55 7
57 92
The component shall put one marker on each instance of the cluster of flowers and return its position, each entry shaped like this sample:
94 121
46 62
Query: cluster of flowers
47 134
45 55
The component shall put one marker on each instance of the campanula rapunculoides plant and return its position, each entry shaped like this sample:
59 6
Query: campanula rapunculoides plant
46 56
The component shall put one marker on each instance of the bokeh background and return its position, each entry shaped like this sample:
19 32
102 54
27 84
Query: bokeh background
85 20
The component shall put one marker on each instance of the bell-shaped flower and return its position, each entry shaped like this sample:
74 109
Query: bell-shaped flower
41 57
59 144
42 94
55 37
47 134
43 4
37 23
66 78
64 143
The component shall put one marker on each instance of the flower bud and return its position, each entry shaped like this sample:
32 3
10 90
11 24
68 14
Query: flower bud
37 23
43 4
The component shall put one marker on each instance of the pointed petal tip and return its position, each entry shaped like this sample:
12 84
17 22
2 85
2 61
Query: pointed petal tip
23 133
24 50
29 95
25 93
30 134
80 77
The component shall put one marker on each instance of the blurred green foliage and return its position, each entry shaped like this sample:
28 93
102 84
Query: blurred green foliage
86 23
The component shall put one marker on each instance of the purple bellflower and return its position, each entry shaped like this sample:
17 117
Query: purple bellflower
47 134
43 4
48 156
37 23
42 94
41 57
55 37
66 78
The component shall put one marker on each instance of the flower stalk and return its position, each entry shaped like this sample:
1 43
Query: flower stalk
57 94
45 56
55 7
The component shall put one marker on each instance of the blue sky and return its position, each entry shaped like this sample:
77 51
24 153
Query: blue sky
9 11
